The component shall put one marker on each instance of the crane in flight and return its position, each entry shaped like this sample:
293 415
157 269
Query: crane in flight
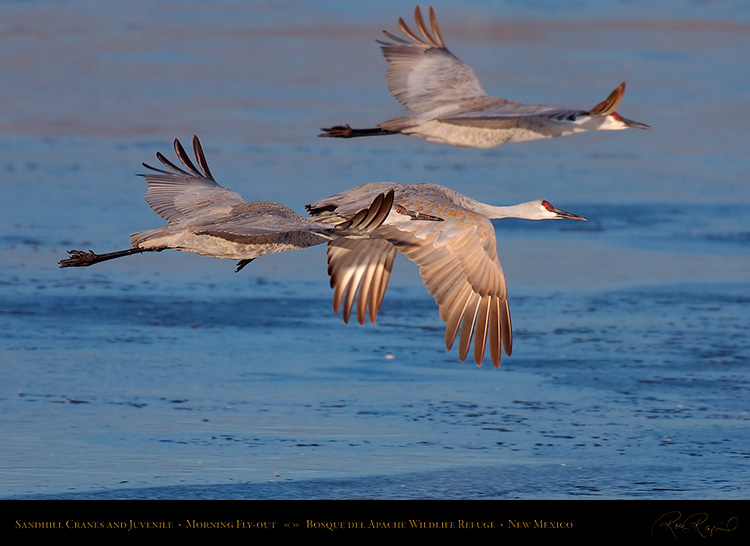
206 218
447 104
451 238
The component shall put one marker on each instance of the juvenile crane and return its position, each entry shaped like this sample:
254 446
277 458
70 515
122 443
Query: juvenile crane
447 104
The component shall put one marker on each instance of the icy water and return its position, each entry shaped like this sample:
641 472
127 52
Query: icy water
169 376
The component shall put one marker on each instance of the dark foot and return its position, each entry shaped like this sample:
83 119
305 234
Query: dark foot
79 258
337 131
344 131
241 264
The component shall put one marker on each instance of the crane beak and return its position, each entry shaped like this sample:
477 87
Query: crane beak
568 215
634 124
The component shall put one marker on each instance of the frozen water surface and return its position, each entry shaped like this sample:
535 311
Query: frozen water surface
170 376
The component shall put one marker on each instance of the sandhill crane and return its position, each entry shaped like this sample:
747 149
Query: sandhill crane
206 218
448 104
451 238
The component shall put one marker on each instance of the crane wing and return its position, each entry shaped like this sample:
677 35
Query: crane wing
422 73
507 115
459 265
359 266
495 113
177 192
250 222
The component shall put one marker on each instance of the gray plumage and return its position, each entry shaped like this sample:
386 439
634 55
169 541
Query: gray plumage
450 236
447 104
208 219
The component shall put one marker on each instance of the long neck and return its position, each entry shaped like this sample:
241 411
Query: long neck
522 210
527 210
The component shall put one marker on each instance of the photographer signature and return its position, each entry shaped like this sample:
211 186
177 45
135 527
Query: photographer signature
674 523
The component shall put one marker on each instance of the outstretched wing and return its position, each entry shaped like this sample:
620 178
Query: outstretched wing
356 262
261 221
495 113
459 265
177 192
509 115
423 74
359 267
267 221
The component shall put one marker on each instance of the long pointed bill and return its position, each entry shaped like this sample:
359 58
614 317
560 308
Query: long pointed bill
568 215
634 124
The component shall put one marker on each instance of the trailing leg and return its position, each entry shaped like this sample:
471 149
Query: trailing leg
344 131
79 258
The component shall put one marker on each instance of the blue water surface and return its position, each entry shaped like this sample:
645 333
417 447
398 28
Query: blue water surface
169 376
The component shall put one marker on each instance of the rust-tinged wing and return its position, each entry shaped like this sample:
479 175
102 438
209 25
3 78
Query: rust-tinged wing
360 270
459 265
610 104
